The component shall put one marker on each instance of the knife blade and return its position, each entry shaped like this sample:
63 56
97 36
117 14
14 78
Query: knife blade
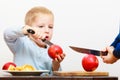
44 40
47 42
88 51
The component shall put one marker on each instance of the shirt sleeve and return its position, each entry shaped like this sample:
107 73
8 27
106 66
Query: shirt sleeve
116 45
11 36
117 40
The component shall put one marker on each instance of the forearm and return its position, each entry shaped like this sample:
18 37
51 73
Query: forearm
116 52
11 34
116 45
116 41
55 66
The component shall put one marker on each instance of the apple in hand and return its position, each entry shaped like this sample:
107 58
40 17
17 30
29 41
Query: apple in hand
8 65
54 50
90 62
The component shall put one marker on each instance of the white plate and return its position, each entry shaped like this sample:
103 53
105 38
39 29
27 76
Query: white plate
27 73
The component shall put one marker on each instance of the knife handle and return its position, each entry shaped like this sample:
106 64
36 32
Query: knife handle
104 53
31 31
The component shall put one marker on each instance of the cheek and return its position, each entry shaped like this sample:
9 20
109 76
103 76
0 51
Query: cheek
50 35
50 32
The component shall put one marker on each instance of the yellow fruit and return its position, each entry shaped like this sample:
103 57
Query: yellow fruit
11 67
27 67
18 68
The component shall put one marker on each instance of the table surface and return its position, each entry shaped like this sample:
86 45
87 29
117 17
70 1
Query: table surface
8 76
58 78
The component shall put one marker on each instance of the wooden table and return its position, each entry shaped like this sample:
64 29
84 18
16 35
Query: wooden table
58 78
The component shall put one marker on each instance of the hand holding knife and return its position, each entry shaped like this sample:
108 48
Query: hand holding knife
44 40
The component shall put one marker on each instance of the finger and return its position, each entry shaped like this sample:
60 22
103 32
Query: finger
56 60
62 56
106 61
59 58
36 35
102 57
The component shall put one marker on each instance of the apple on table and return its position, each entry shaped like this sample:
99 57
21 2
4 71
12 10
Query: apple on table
90 62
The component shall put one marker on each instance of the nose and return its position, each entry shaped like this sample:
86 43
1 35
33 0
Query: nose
46 29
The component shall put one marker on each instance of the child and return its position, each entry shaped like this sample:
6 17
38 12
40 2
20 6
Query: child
29 48
113 51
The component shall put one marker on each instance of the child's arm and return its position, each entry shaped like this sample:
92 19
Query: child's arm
11 37
117 40
55 66
116 45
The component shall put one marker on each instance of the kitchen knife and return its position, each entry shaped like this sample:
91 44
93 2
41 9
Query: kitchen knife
88 51
44 40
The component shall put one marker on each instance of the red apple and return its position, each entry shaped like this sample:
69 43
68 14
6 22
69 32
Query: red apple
54 50
90 62
7 65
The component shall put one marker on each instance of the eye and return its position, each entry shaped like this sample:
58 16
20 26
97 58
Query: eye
40 26
51 27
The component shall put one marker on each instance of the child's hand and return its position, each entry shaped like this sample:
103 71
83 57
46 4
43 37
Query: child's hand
39 34
59 58
56 62
36 36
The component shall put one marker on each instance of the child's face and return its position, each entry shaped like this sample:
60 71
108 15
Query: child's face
45 24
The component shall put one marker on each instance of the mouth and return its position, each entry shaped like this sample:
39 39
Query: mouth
47 37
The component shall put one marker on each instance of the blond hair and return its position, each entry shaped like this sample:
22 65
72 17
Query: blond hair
34 12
